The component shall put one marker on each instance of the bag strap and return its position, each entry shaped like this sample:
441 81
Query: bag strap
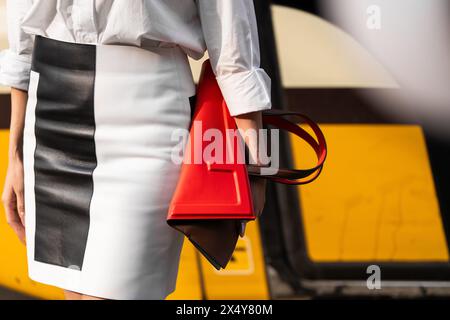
294 176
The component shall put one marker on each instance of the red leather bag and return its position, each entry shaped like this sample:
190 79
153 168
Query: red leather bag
212 197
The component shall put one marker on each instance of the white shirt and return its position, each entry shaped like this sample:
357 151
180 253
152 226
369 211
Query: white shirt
226 28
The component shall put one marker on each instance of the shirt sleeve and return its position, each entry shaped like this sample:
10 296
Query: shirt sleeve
15 62
231 36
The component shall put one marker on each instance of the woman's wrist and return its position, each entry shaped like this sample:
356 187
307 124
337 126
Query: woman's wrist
254 138
15 151
19 100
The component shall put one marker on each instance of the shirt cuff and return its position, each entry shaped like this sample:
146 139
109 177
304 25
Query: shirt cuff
15 70
246 91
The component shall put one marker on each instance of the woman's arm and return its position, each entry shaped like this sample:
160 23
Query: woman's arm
15 68
18 107
250 124
256 144
13 190
231 36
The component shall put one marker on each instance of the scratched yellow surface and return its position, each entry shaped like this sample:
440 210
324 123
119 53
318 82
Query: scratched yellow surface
375 200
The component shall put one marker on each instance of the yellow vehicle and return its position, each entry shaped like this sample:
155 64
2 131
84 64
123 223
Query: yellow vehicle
380 204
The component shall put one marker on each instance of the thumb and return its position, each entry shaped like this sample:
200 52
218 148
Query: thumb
21 206
242 228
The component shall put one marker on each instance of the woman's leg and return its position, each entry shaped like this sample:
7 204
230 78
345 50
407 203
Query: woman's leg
77 296
86 297
69 295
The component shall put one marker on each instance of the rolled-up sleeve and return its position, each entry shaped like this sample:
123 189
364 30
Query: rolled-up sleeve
231 37
15 62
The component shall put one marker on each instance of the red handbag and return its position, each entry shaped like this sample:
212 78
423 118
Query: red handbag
212 197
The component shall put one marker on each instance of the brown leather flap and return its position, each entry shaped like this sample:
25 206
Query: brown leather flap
215 238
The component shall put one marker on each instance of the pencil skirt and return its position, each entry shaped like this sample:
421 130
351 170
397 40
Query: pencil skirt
98 166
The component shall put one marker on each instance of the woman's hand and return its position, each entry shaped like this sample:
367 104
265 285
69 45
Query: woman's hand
12 197
258 187
253 121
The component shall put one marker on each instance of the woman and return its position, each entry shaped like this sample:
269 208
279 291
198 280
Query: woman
98 87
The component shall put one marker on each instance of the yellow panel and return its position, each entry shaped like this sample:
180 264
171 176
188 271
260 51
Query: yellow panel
188 281
375 200
244 276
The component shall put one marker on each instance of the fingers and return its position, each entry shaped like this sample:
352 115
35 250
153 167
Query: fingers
258 187
15 223
20 204
243 223
9 202
19 191
13 219
242 228
19 230
260 209
259 206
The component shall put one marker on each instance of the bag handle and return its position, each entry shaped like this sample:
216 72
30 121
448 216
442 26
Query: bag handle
294 176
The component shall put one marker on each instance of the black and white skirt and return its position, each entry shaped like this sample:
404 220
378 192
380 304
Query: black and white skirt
99 173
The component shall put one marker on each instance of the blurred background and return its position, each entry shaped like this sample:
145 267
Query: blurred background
376 76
